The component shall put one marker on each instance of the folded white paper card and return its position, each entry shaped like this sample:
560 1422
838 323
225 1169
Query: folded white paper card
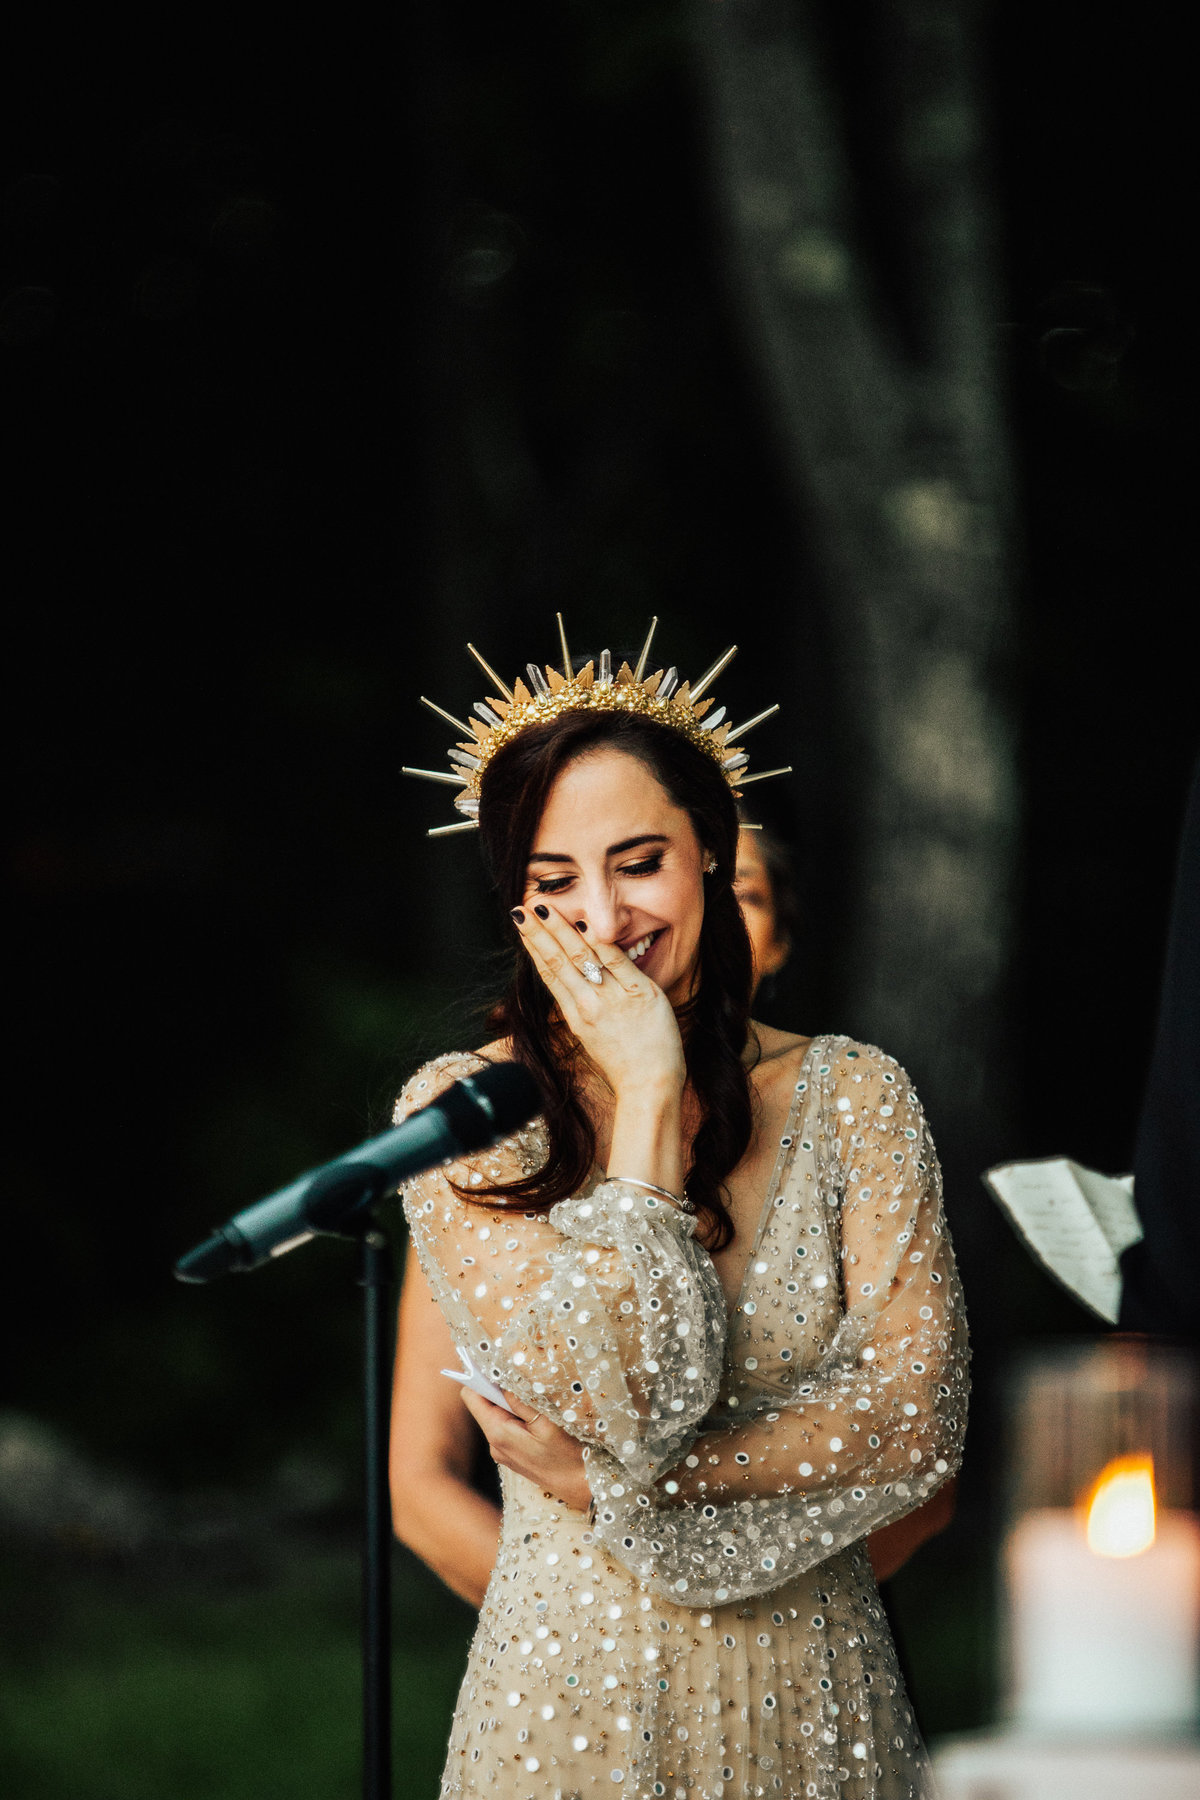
1076 1222
470 1377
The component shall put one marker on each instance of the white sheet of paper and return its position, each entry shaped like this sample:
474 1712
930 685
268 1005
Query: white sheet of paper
1076 1221
470 1377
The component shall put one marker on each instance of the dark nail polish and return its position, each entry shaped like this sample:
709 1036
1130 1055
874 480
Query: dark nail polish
579 925
518 915
543 912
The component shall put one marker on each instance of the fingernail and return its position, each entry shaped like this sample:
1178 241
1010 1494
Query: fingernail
543 912
518 915
579 925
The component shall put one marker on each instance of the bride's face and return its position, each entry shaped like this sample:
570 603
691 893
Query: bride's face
614 853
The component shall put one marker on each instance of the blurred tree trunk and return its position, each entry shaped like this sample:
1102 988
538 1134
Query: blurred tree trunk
878 361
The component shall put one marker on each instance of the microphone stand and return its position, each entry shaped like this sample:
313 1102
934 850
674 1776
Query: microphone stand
343 1199
376 1277
342 1202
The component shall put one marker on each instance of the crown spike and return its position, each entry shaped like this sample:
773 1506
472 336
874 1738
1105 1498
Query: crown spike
710 675
448 830
449 717
758 718
566 654
454 780
491 674
762 775
642 659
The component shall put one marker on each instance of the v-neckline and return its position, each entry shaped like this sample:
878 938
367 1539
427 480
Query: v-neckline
798 1101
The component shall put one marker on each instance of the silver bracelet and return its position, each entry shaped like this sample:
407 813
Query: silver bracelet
679 1200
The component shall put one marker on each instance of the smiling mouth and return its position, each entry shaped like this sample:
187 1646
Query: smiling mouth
637 951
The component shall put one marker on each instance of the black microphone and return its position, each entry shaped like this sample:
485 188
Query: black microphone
472 1114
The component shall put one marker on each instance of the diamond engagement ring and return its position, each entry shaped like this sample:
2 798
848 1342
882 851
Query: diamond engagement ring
591 971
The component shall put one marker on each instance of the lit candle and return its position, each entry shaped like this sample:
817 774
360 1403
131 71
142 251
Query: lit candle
1104 1615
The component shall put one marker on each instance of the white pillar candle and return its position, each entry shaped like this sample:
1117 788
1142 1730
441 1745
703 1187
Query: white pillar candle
1102 1643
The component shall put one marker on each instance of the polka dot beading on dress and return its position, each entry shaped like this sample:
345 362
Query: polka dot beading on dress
715 1629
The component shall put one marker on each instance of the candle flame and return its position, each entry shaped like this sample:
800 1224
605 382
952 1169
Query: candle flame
1120 1508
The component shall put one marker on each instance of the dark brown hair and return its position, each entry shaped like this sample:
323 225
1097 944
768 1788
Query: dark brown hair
515 788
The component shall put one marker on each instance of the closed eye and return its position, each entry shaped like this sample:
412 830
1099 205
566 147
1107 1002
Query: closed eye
558 884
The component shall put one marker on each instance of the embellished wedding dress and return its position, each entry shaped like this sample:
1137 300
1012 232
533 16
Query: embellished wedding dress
731 1644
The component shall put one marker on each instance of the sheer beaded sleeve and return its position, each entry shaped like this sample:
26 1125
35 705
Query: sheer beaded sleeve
869 1432
603 1314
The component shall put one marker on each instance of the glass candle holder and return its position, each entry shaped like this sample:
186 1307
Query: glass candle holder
1102 1552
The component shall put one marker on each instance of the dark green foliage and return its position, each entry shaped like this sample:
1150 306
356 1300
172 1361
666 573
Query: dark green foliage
115 1690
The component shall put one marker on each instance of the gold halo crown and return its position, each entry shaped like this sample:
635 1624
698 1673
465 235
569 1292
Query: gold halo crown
661 696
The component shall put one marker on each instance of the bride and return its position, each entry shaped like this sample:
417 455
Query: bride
717 1262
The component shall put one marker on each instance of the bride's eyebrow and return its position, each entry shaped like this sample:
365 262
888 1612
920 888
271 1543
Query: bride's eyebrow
633 843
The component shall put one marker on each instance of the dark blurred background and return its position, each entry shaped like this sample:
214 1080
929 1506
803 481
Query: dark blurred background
324 349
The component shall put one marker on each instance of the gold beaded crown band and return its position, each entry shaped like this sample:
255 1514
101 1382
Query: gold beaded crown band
661 696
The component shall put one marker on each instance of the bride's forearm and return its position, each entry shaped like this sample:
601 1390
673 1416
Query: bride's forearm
647 1137
449 1526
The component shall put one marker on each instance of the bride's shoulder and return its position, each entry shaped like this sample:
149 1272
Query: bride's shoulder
781 1056
431 1080
858 1074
